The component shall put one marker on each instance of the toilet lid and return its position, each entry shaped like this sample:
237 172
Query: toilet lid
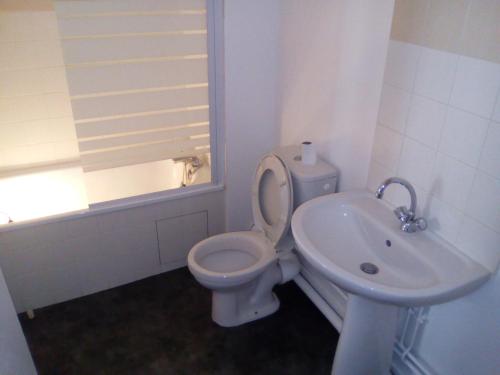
272 198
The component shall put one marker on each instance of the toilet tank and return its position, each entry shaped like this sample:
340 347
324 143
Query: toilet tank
309 181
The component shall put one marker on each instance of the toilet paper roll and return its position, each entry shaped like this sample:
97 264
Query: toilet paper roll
308 153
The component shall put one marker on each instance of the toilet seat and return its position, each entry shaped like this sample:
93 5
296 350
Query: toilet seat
272 198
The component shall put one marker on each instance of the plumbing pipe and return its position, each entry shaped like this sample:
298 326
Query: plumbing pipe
320 303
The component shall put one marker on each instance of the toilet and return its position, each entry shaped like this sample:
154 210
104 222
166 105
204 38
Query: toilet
241 268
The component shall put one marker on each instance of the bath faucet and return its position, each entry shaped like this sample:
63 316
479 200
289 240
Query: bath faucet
409 223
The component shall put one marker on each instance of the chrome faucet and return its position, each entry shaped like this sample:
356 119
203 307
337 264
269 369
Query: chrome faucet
409 223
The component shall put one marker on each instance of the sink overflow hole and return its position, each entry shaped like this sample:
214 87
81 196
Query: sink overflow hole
369 268
388 243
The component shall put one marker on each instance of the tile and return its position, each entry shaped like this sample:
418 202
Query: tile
435 74
401 64
490 156
476 86
387 147
13 5
22 55
443 219
49 53
28 154
22 133
54 80
426 120
4 55
480 243
40 5
20 82
463 136
452 181
496 112
484 201
444 24
58 105
408 21
394 105
16 26
416 163
481 37
377 174
44 24
61 129
22 108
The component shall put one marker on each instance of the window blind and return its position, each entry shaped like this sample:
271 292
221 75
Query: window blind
137 74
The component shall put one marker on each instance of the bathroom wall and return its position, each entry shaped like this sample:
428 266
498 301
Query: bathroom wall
439 127
14 353
332 61
35 110
35 114
296 71
251 92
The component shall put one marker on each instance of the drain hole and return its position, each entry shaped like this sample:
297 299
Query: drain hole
388 243
369 268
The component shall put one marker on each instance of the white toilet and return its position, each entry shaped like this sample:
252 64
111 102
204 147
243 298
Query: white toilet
241 268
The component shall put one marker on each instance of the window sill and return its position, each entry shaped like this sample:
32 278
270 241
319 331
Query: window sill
118 205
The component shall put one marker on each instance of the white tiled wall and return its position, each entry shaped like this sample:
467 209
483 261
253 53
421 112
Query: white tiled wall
50 263
35 110
439 127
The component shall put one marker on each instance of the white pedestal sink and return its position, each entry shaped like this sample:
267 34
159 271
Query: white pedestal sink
355 241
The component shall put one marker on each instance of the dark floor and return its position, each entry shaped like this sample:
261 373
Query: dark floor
162 325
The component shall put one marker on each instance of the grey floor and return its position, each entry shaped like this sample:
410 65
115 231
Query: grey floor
162 325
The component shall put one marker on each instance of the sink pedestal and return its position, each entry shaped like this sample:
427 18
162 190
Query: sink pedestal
367 338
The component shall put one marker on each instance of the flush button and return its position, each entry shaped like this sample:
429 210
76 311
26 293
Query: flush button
327 186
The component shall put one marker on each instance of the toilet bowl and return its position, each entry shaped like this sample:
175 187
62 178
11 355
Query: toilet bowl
241 268
230 259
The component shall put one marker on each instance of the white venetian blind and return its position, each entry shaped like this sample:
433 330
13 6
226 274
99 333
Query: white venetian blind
138 78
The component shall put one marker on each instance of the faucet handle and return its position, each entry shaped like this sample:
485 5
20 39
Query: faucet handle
415 225
403 214
421 223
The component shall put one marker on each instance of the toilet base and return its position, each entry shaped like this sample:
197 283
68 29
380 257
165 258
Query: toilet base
230 309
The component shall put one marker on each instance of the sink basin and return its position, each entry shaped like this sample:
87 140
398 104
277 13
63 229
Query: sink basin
355 241
337 233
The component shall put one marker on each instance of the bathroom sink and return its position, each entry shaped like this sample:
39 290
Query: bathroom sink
355 241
